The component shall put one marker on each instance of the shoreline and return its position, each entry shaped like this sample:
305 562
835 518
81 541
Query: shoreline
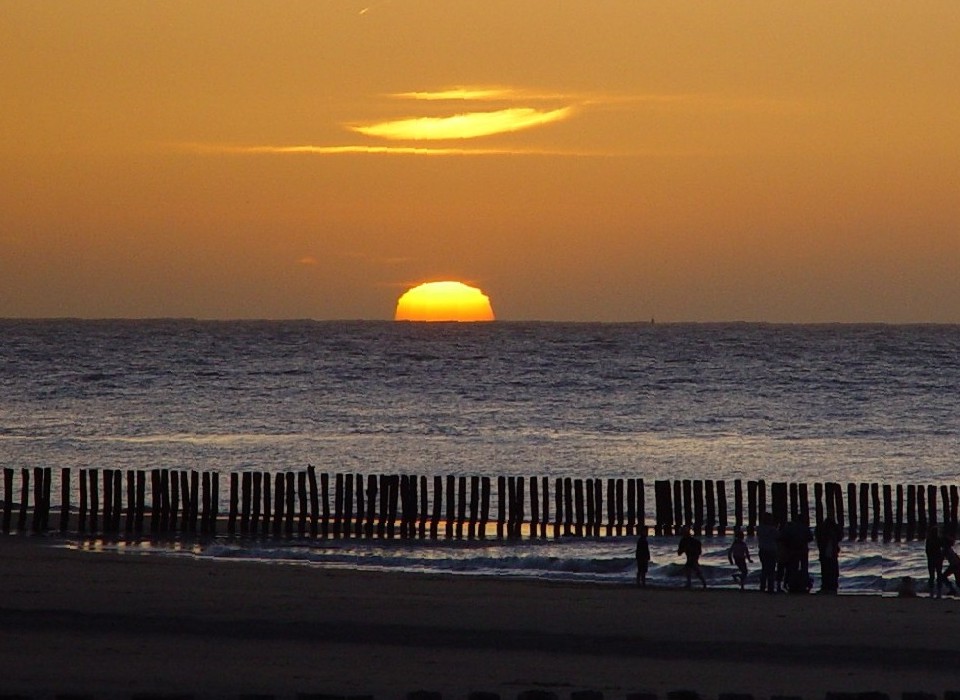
76 621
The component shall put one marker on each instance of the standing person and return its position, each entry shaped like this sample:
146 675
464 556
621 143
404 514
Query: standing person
953 564
739 555
643 557
828 536
691 547
934 547
767 549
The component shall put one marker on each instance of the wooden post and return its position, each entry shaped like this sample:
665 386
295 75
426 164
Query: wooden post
337 503
279 489
347 504
205 513
315 500
484 506
141 501
155 499
234 500
394 482
911 511
932 504
325 507
372 501
451 505
631 507
37 519
711 508
437 506
818 503
246 496
214 502
64 499
921 513
677 505
302 500
887 513
751 507
94 499
117 499
568 506
107 476
534 507
545 483
424 506
558 502
173 484
474 505
761 499
462 505
291 494
864 510
642 505
852 510
598 500
687 502
131 501
267 518
794 501
8 497
256 503
578 499
24 500
804 498
722 507
697 507
619 485
875 498
954 502
738 503
84 496
899 520
778 501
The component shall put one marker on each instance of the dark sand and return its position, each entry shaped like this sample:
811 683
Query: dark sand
88 622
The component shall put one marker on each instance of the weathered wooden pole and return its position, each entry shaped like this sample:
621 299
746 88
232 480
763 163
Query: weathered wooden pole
372 500
94 499
687 502
545 519
64 499
246 496
722 507
474 506
315 500
424 506
932 504
852 510
256 503
875 499
677 504
899 522
887 513
131 501
568 506
234 500
534 507
738 503
818 503
107 476
173 482
631 507
462 504
558 502
266 519
751 506
698 506
619 485
921 512
347 505
437 506
804 498
484 506
37 519
579 504
117 499
711 519
302 501
864 510
24 500
279 500
451 505
911 511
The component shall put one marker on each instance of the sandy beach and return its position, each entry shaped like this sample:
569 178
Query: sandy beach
104 623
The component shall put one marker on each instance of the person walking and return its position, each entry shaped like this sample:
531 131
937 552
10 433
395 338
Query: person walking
767 549
828 535
691 547
739 555
643 557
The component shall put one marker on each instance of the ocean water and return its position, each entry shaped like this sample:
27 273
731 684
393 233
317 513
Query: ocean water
702 401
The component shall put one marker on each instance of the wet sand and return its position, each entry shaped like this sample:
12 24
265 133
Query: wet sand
91 622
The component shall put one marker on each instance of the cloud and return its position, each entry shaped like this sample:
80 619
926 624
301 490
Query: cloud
464 126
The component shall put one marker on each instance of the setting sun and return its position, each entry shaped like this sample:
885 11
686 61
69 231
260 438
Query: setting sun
444 301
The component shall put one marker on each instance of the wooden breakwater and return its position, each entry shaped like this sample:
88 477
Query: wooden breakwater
288 504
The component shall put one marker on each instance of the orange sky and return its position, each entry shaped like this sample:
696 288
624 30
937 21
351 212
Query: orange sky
606 160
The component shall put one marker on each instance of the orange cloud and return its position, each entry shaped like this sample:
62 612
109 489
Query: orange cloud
464 126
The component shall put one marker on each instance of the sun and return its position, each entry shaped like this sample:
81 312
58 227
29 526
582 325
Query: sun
444 301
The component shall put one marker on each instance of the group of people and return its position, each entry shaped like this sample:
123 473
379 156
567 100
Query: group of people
784 557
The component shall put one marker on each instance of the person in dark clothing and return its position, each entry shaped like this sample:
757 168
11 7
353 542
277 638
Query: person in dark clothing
767 548
796 538
828 537
691 547
643 557
933 546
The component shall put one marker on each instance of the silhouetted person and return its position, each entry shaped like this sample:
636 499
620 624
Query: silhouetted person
953 564
691 547
796 537
643 557
934 546
829 534
739 555
767 550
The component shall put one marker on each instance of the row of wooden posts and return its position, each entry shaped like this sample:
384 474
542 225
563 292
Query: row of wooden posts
302 503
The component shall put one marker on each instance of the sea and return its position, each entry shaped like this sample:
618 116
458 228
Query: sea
813 403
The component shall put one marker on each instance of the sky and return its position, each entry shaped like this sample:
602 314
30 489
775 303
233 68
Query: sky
594 160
